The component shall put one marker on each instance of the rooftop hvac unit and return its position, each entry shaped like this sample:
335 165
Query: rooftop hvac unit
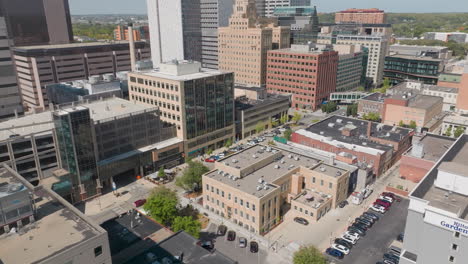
227 175
260 180
296 158
282 161
277 166
290 156
254 156
274 151
291 166
268 149
321 133
322 169
266 187
339 120
259 187
338 173
220 172
331 124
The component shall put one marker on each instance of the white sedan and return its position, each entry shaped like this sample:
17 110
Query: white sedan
349 239
353 235
378 208
341 248
386 198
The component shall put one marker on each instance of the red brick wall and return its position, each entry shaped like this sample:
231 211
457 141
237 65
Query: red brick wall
363 157
397 191
414 169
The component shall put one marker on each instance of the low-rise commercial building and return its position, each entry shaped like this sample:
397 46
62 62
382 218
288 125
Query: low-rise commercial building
437 225
436 52
250 187
451 80
399 68
38 66
251 114
312 78
48 228
198 101
357 141
372 103
423 155
459 37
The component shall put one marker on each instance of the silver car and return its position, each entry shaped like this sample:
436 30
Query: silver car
242 242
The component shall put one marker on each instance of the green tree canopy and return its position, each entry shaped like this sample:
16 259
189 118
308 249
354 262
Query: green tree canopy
161 173
412 124
448 132
228 143
459 131
274 123
188 224
329 107
296 117
162 205
259 127
284 119
309 255
371 117
287 134
352 110
191 178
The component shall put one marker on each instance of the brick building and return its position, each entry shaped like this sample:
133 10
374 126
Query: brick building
357 141
139 32
364 16
423 155
307 72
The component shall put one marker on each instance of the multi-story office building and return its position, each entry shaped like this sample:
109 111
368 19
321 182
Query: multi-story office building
199 102
306 72
252 112
356 141
38 66
10 99
303 21
459 37
361 16
48 228
437 226
377 47
37 22
350 67
139 32
243 45
399 68
266 8
436 52
250 187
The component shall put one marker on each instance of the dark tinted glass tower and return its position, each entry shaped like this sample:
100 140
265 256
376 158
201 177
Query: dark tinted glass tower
36 22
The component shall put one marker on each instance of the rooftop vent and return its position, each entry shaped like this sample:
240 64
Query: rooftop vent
290 156
338 173
291 166
296 158
234 161
277 166
274 151
364 143
259 187
260 180
220 172
227 175
322 169
282 161
266 187
321 133
254 156
339 121
331 124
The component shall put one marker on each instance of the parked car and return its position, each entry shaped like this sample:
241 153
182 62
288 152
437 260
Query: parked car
378 208
166 260
343 204
301 220
357 231
389 194
367 192
206 244
383 203
335 253
341 248
364 221
368 218
221 230
210 159
352 234
371 215
391 257
401 237
388 261
360 226
396 250
150 256
386 198
253 247
139 203
242 242
343 242
231 236
350 239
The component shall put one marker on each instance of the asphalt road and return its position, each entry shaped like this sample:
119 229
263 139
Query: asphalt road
370 249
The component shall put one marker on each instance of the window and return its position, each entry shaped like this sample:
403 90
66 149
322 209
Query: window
457 234
253 207
247 204
235 199
454 247
222 193
229 196
321 182
330 185
207 187
452 259
97 251
313 179
241 202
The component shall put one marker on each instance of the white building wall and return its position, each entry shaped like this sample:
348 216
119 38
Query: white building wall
166 32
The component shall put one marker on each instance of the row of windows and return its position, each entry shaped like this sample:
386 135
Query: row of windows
159 94
157 84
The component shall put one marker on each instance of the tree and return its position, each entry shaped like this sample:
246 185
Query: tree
296 117
191 178
162 205
329 107
412 124
188 224
284 119
259 127
386 83
274 123
361 89
401 124
287 134
371 117
161 173
309 255
228 143
209 151
352 110
448 132
459 131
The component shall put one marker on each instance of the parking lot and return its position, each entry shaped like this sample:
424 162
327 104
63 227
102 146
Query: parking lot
370 248
231 248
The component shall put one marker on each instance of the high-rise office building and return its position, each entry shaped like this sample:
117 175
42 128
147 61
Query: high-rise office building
200 102
10 100
266 8
38 22
361 16
243 45
303 21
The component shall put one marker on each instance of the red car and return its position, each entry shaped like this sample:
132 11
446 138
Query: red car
382 203
139 203
394 197
210 159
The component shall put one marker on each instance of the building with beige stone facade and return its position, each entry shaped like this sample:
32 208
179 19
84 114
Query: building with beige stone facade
243 45
200 102
251 187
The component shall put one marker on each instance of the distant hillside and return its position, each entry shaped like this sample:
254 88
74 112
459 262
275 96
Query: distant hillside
414 25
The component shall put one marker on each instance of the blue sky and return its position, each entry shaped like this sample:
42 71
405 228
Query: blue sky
79 7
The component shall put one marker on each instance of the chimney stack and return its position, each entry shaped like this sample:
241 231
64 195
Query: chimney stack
131 41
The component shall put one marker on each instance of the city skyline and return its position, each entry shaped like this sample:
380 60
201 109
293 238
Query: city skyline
85 7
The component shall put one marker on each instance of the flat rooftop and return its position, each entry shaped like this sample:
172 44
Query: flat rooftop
434 146
203 73
313 199
409 57
330 131
417 47
244 104
73 45
42 123
376 97
58 227
454 160
422 101
285 163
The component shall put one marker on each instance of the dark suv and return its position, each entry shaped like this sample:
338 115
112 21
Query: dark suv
231 236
